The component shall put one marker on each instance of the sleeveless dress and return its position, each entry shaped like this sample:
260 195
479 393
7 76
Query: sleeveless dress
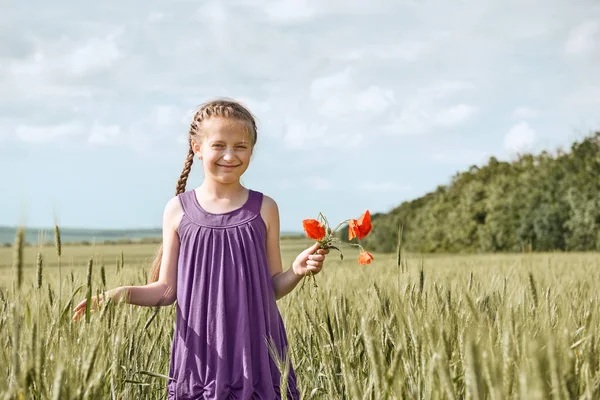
226 308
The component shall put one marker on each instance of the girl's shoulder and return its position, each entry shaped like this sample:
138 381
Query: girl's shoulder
173 213
269 211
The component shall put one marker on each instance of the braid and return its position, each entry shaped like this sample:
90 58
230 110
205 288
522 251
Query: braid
187 167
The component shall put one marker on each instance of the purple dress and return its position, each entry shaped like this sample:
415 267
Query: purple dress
226 308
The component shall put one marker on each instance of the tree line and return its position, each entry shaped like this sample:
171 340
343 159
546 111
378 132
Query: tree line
540 202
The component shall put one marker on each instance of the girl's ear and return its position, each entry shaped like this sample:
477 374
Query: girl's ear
197 148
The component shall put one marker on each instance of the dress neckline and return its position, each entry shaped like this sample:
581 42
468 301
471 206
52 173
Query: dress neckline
242 207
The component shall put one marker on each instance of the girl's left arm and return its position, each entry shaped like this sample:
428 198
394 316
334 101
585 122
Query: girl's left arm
285 282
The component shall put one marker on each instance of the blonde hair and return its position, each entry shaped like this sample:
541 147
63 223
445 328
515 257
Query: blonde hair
224 108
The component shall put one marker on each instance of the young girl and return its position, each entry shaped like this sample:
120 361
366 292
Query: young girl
220 259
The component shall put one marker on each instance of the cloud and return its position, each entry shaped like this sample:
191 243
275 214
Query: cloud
582 39
520 138
47 133
339 96
104 134
525 113
455 115
50 61
93 55
426 110
288 11
405 51
298 136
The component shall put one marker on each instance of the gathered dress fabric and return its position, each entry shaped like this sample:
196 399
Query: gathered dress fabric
226 308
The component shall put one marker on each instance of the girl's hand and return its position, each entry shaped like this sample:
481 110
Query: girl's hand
97 301
310 260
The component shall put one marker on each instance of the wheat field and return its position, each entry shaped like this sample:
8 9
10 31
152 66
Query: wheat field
520 326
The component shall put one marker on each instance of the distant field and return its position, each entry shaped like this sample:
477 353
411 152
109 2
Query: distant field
76 257
34 236
520 326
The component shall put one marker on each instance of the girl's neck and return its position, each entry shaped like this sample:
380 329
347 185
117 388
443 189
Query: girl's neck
220 191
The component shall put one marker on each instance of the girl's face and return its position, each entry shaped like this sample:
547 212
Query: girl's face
225 149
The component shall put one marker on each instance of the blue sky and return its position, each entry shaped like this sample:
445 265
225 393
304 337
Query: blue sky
360 104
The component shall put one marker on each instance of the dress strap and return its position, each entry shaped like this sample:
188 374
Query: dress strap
187 200
254 201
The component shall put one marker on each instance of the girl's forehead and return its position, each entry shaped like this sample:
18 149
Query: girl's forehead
225 129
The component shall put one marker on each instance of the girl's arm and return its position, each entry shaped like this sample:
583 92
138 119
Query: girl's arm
285 282
162 292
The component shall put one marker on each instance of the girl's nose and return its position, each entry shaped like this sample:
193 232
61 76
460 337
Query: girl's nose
228 155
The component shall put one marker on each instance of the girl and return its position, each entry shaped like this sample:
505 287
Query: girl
220 259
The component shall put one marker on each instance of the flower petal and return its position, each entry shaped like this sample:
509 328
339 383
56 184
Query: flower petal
365 258
352 229
364 225
314 229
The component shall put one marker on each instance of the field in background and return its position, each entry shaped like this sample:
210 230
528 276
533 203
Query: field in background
485 326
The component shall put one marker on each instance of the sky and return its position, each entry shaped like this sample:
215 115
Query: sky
360 104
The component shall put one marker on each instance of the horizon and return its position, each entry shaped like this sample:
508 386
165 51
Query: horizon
381 103
552 152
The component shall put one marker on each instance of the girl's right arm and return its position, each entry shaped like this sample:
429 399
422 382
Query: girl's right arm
162 292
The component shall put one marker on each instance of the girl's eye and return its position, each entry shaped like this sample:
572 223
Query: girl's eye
241 147
217 145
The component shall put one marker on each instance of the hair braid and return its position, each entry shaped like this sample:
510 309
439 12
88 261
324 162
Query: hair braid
187 167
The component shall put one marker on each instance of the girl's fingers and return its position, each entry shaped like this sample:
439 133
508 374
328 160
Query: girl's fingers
80 305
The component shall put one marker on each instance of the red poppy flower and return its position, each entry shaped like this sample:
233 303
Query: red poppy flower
361 227
314 229
365 258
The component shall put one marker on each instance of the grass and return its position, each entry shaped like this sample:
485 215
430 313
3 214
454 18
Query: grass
431 327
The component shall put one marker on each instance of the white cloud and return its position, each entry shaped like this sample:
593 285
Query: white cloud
520 138
321 87
582 39
525 113
286 11
104 134
47 133
406 51
455 115
373 100
95 54
337 96
298 135
50 61
425 111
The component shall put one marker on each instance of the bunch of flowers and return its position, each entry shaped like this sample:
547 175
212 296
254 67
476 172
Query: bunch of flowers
319 230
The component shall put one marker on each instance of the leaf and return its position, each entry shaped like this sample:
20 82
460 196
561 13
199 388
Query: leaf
136 382
155 375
